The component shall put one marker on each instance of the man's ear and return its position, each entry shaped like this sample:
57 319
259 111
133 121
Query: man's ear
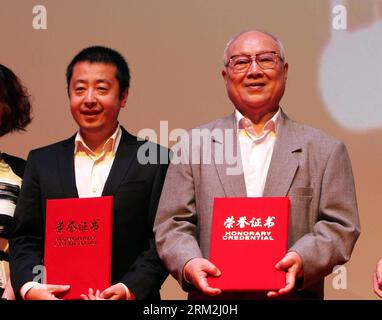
286 67
124 96
225 75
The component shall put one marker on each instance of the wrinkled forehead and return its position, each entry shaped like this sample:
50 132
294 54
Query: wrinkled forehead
252 43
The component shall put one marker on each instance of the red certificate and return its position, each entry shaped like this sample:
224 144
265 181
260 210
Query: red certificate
248 237
78 242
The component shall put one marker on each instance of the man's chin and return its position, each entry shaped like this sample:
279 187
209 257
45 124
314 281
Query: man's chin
255 107
256 112
90 127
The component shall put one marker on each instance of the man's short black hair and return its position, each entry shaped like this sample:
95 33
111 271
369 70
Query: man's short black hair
106 55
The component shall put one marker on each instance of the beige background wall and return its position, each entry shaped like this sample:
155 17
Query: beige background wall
174 48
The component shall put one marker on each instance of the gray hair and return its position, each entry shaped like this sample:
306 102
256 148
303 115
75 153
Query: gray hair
278 43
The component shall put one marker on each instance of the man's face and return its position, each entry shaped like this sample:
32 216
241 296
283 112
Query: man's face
256 91
95 100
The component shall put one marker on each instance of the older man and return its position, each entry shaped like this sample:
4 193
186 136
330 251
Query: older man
278 157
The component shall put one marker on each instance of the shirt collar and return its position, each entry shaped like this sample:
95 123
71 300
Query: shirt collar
111 144
246 124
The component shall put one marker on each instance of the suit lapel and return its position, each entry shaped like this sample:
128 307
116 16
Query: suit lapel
284 162
66 168
231 179
126 152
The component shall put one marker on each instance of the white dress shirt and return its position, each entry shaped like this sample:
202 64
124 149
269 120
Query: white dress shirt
256 151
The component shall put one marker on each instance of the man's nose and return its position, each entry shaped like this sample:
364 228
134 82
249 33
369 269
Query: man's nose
254 68
90 99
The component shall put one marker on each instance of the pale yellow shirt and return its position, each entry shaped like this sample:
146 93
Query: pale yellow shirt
92 169
256 151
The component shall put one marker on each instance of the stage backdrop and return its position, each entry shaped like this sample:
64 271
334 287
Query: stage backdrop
175 49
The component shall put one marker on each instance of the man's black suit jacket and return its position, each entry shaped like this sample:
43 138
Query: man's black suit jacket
136 188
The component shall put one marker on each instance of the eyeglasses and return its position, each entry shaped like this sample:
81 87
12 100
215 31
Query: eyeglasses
265 60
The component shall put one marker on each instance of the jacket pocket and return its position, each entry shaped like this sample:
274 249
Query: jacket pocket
300 192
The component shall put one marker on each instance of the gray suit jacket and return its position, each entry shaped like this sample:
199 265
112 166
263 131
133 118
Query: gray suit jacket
307 165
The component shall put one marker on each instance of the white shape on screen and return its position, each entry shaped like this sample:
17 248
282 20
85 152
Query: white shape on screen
350 77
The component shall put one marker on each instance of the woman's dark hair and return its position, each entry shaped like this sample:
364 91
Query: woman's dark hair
15 108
